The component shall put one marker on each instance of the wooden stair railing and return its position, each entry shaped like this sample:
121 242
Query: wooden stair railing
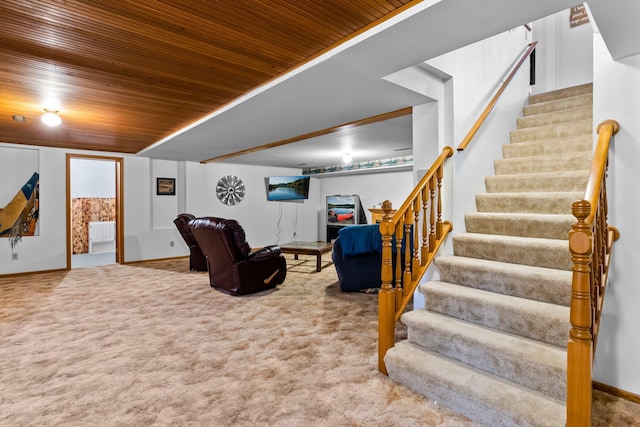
483 116
590 243
392 300
418 227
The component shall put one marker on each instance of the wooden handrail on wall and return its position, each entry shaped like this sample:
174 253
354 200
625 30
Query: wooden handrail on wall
417 227
476 126
590 241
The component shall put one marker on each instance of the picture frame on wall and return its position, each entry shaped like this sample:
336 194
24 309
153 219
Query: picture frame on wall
166 186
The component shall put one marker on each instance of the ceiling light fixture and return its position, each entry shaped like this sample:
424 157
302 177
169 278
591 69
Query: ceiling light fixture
346 158
51 118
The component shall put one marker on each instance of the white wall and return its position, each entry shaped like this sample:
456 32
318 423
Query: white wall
18 165
93 178
477 71
265 222
148 234
146 218
48 249
164 207
617 96
564 56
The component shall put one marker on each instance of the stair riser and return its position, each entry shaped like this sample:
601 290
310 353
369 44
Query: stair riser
552 163
502 358
551 286
535 227
548 146
558 105
550 203
541 326
543 182
564 130
551 254
490 403
561 93
556 117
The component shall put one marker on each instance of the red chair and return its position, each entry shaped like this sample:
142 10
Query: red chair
233 268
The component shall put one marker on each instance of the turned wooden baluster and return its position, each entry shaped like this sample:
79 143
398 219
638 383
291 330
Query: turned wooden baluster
439 224
432 217
406 276
418 246
399 273
424 248
386 296
580 345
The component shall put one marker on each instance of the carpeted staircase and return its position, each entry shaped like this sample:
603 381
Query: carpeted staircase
491 343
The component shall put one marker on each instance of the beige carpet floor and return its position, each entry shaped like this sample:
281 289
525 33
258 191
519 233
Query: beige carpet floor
151 344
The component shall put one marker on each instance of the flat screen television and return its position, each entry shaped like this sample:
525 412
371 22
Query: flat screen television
343 210
280 188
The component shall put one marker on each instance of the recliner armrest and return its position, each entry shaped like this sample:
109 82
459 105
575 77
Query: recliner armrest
264 253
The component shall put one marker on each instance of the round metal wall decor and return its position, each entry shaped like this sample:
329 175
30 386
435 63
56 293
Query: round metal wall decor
230 190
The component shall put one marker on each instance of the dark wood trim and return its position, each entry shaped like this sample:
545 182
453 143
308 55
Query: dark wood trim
614 391
362 122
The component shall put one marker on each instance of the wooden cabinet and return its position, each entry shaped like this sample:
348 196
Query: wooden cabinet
377 214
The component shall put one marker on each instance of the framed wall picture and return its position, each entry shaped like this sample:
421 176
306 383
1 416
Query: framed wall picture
166 186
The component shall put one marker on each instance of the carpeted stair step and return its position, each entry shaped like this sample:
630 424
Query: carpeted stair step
485 398
561 130
524 281
548 146
549 253
548 202
530 363
544 163
527 318
555 117
571 181
561 93
558 104
546 226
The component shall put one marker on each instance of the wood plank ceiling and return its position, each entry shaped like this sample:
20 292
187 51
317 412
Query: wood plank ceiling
125 74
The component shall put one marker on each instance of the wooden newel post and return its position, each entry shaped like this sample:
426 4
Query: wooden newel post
386 296
580 345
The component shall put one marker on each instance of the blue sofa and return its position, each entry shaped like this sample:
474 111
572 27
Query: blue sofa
357 256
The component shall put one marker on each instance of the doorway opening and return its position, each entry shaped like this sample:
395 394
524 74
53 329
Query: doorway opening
94 210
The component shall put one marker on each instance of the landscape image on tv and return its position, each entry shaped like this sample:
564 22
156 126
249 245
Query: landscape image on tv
288 188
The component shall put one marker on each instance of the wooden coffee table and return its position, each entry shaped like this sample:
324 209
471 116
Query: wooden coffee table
308 248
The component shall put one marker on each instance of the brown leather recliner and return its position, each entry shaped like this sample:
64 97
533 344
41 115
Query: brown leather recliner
233 268
197 260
